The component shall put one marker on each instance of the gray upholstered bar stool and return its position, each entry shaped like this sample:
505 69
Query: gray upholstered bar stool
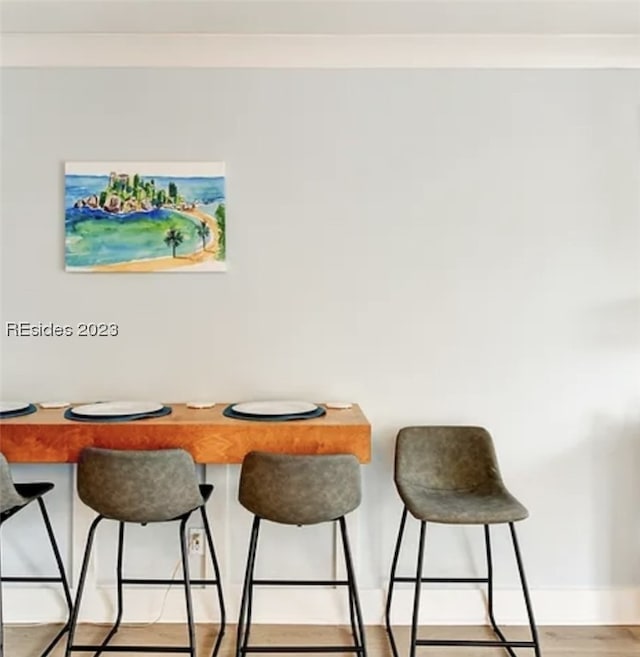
14 498
144 486
299 490
450 475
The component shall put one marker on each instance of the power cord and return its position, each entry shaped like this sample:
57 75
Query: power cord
163 603
145 624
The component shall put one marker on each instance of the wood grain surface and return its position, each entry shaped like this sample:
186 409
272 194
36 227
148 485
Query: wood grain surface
602 641
47 437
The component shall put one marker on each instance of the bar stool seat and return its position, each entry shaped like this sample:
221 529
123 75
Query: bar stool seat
144 486
299 490
484 505
13 498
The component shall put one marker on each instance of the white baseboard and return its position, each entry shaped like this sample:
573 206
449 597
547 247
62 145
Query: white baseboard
327 606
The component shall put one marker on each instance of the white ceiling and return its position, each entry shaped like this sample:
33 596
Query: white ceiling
543 17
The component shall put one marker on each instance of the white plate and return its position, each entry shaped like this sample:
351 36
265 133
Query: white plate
10 407
54 404
340 406
275 407
117 408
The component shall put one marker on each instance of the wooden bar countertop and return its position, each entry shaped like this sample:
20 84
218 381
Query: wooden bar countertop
47 437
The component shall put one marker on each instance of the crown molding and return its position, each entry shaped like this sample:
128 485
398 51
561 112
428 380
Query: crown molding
542 17
319 51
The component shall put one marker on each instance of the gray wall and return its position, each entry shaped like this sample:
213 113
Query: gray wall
439 246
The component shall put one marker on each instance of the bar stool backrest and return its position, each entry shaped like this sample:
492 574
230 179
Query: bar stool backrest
138 485
9 496
297 489
446 458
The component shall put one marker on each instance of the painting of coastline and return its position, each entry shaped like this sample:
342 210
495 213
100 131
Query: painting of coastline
145 216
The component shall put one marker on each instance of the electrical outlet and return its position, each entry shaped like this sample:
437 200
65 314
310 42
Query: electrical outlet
196 540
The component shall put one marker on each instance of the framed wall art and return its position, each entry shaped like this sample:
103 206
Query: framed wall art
145 216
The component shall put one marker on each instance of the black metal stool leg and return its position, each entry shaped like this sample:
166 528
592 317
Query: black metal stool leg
119 593
242 632
492 620
184 550
525 591
416 598
63 576
352 613
83 575
392 579
351 600
62 579
352 617
216 571
359 639
250 590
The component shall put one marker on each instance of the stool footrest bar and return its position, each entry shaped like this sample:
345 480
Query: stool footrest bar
444 580
476 644
287 649
31 579
168 581
151 649
301 582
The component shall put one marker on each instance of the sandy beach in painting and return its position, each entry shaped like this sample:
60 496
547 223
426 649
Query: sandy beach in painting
203 260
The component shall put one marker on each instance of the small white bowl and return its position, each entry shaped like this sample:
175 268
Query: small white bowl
200 404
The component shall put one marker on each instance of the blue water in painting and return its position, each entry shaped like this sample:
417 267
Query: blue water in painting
96 237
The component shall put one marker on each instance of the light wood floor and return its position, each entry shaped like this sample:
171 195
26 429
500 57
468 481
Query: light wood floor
619 641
